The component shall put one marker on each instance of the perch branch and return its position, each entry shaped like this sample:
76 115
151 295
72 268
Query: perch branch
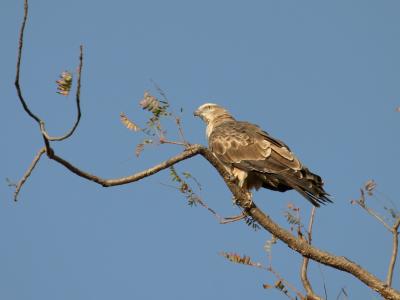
28 172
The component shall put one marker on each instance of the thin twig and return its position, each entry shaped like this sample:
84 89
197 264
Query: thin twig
18 68
232 219
78 105
28 172
304 278
177 119
164 141
395 248
221 220
287 283
342 291
180 130
371 212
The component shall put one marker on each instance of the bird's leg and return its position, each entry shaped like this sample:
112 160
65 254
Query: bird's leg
246 203
249 201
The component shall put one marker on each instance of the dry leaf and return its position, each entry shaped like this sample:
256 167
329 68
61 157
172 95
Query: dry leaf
128 123
64 84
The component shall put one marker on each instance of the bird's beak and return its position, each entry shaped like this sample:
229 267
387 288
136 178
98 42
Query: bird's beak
196 113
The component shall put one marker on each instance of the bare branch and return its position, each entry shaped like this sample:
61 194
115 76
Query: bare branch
180 130
165 141
18 68
191 151
304 278
78 106
28 172
395 248
40 122
232 219
361 203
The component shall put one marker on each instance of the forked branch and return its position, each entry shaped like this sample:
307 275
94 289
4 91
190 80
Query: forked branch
38 120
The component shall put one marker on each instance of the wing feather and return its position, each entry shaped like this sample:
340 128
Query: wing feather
246 146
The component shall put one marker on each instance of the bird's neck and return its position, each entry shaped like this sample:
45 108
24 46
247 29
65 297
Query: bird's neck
218 121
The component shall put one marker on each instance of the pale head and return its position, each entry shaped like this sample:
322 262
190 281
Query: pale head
209 112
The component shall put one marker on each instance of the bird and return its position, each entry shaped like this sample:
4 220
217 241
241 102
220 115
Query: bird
256 159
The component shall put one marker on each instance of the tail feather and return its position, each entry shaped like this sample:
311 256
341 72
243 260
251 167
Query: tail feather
308 184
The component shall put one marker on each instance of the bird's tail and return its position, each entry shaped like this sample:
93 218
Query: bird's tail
309 185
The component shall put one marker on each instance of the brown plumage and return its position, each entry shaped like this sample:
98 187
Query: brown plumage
255 158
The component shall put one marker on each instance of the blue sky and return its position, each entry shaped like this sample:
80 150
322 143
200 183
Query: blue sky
321 75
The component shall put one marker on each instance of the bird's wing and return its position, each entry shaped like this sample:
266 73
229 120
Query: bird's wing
247 147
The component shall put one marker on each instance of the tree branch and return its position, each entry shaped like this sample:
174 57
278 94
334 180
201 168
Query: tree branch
28 172
189 152
395 247
38 120
19 58
303 273
361 203
78 106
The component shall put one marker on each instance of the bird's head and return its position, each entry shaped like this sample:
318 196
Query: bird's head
209 112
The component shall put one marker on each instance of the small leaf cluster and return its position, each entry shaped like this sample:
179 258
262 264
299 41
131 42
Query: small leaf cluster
279 285
292 215
64 84
239 259
251 223
184 187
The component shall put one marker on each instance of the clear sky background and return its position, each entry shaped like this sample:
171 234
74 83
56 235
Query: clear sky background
324 76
